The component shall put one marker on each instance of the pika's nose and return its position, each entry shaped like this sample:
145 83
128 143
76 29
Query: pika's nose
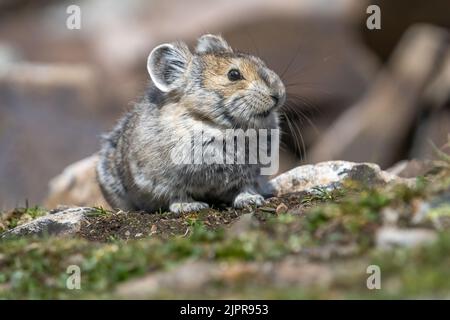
275 98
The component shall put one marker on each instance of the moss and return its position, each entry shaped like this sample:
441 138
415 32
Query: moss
442 210
20 216
320 194
109 252
37 268
357 215
33 268
420 272
98 211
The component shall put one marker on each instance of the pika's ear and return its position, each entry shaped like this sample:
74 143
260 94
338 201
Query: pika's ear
210 43
167 63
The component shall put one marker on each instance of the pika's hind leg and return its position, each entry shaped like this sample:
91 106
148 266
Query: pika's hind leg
248 196
187 205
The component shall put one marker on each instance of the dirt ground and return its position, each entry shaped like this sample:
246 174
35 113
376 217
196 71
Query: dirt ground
124 226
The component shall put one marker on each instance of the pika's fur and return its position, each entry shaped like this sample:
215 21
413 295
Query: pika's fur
214 88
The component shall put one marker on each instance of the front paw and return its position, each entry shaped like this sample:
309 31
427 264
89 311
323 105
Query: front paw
180 207
245 199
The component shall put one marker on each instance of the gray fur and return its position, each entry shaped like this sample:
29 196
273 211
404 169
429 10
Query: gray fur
136 171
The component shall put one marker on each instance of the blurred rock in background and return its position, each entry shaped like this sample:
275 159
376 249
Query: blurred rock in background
60 88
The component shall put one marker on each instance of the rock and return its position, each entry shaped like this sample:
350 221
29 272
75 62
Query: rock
76 185
328 175
63 223
411 168
388 237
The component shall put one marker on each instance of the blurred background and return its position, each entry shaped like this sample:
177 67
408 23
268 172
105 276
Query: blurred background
353 93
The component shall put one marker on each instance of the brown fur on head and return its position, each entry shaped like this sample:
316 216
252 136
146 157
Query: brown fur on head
231 89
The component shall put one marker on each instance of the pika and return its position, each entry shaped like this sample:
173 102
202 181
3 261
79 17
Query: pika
212 87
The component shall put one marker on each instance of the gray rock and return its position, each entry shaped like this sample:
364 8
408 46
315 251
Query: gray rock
328 175
77 185
64 222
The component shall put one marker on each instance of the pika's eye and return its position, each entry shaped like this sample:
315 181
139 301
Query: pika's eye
234 75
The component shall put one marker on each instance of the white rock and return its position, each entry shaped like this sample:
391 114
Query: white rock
76 186
327 175
388 237
61 223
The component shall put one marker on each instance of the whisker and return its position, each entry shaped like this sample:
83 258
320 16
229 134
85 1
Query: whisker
299 143
291 61
301 115
304 100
